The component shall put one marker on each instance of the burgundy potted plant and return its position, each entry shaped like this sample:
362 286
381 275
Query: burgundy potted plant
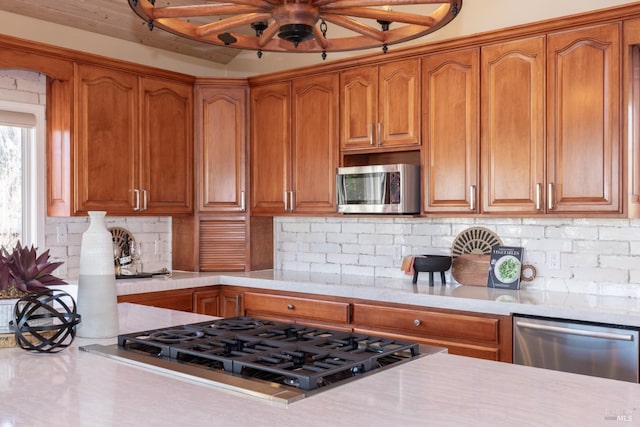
23 271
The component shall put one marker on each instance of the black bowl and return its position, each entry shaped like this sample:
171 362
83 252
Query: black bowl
424 263
430 264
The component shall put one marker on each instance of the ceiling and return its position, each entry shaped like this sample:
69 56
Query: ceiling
116 19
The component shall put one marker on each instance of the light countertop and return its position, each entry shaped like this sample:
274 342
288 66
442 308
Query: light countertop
74 388
576 306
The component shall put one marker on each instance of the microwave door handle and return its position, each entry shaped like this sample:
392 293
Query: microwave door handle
381 195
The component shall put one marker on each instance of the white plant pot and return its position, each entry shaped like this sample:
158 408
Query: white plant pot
6 314
7 307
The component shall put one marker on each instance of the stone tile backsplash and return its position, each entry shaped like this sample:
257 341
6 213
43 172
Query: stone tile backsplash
63 237
595 256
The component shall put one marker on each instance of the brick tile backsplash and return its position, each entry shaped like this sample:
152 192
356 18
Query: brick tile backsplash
154 233
584 255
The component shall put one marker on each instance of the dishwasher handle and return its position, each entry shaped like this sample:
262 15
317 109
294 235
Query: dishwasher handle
571 331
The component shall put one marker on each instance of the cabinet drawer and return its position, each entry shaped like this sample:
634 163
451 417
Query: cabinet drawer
181 299
256 304
428 323
479 351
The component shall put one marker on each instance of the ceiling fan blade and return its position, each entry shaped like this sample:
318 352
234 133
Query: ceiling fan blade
231 22
203 10
268 34
383 15
353 25
334 4
257 3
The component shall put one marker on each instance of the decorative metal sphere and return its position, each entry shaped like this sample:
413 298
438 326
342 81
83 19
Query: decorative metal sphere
45 321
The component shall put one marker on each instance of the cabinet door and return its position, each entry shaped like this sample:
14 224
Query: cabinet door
206 302
583 120
399 104
231 302
314 155
513 127
107 155
167 147
270 148
222 145
450 132
358 108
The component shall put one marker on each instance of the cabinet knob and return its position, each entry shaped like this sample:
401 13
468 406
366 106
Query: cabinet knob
290 307
417 322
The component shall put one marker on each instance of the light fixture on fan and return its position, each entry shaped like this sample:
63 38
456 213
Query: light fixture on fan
300 25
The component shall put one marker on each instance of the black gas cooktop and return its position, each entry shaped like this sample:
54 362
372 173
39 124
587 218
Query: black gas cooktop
292 360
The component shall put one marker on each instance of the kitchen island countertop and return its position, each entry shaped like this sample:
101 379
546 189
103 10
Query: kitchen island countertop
74 388
565 305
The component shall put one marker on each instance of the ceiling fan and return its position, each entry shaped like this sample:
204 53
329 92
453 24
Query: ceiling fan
298 25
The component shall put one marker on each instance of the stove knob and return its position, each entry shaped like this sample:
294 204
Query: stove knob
290 307
417 322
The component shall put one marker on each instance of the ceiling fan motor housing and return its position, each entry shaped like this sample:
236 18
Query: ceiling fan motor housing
296 21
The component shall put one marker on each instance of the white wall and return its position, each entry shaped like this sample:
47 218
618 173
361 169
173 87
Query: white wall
476 16
63 235
595 256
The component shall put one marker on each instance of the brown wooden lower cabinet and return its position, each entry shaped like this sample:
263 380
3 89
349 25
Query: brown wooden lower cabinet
311 311
484 336
479 335
231 302
216 300
206 301
175 299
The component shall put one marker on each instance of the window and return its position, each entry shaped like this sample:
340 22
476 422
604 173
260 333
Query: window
22 173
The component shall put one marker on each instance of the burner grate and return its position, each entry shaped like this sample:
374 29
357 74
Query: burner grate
291 354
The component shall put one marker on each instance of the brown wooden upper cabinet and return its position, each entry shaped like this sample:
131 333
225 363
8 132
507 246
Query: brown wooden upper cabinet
270 147
575 166
380 106
584 149
134 143
294 146
512 140
450 106
222 146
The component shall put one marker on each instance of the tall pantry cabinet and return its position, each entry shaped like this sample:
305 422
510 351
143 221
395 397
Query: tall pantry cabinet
221 143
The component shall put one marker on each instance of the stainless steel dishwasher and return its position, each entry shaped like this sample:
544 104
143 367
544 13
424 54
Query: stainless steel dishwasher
596 349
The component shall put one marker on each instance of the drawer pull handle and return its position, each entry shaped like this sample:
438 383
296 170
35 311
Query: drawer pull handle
417 322
290 307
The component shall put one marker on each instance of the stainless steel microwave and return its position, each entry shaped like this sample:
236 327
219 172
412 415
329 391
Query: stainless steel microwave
389 189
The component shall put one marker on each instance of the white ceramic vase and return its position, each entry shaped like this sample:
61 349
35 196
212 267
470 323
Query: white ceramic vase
97 299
